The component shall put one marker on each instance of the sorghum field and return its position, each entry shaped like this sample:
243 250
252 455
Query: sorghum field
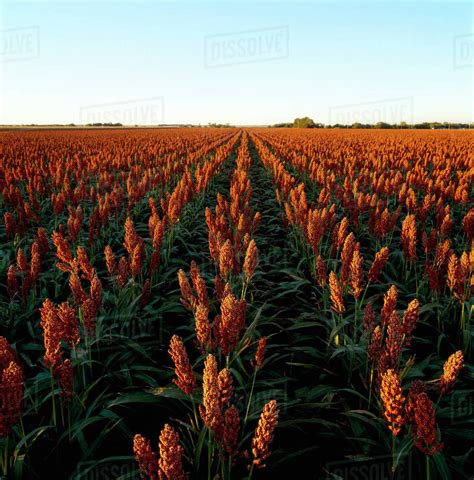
236 303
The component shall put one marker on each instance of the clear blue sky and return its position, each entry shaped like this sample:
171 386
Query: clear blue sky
331 60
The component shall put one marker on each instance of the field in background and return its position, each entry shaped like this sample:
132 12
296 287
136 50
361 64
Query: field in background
233 303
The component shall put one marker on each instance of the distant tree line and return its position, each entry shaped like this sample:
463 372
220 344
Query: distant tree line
105 124
304 122
219 125
307 122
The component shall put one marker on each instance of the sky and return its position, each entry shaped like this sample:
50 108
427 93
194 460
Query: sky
243 63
